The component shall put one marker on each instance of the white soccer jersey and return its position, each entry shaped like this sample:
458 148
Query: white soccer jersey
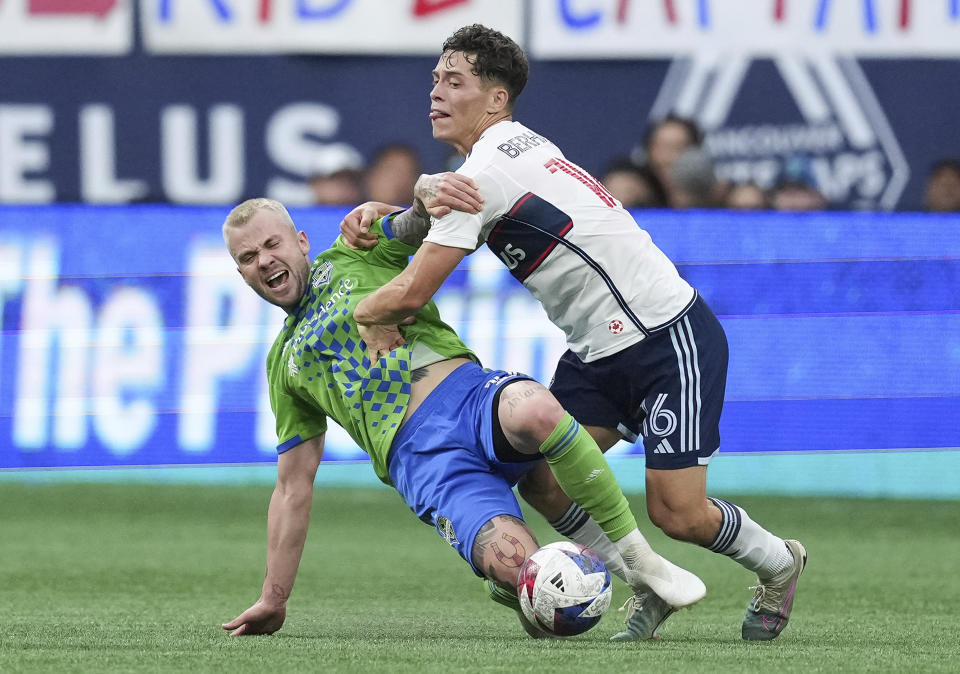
599 276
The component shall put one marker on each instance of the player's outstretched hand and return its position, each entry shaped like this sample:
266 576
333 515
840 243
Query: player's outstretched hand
355 226
441 193
382 339
258 619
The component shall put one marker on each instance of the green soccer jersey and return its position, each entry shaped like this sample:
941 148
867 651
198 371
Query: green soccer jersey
318 367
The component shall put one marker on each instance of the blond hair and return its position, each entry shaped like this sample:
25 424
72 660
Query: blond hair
243 213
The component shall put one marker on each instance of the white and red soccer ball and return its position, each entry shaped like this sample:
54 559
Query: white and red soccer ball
564 589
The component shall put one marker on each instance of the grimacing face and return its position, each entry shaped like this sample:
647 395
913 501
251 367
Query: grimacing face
272 257
462 105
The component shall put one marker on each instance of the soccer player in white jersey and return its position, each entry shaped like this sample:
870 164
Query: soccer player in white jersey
647 357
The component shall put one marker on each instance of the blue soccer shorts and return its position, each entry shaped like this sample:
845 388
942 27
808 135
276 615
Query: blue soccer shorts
667 388
443 462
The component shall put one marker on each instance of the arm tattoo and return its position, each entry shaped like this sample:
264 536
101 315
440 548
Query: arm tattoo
277 590
280 593
412 225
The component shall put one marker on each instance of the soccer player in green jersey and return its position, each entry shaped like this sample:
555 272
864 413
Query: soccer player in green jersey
449 435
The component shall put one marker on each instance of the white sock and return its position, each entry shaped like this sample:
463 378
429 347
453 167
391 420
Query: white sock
636 546
580 528
640 558
749 544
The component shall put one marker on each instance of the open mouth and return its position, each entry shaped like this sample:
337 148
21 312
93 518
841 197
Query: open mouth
278 279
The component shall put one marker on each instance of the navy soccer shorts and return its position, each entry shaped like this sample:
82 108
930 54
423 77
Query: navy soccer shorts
667 388
443 461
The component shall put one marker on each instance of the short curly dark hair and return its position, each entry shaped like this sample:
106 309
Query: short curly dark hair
494 57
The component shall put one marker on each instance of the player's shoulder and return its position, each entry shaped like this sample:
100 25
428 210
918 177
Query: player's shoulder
338 261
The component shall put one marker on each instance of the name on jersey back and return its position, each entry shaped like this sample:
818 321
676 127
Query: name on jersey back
517 145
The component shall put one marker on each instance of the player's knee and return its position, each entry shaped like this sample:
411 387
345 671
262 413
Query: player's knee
528 415
676 524
538 416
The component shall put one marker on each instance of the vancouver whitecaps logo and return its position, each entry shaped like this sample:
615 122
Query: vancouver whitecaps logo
842 142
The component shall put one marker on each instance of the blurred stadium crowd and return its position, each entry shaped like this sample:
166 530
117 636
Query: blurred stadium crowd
786 105
670 168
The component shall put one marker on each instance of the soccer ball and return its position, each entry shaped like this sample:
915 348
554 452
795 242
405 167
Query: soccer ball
564 589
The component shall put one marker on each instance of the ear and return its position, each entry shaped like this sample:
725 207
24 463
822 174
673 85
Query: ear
499 99
303 242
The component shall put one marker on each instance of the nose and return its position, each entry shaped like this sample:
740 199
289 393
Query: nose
435 93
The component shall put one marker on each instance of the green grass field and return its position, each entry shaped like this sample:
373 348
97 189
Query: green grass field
138 578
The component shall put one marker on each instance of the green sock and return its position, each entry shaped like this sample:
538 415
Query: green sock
585 476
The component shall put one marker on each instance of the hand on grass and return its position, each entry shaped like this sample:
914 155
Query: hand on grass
258 619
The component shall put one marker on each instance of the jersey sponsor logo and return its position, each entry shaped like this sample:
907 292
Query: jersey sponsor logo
346 285
527 234
292 348
321 276
445 529
517 145
615 326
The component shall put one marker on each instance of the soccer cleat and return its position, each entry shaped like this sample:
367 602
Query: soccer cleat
510 600
768 612
503 596
532 630
675 586
646 612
